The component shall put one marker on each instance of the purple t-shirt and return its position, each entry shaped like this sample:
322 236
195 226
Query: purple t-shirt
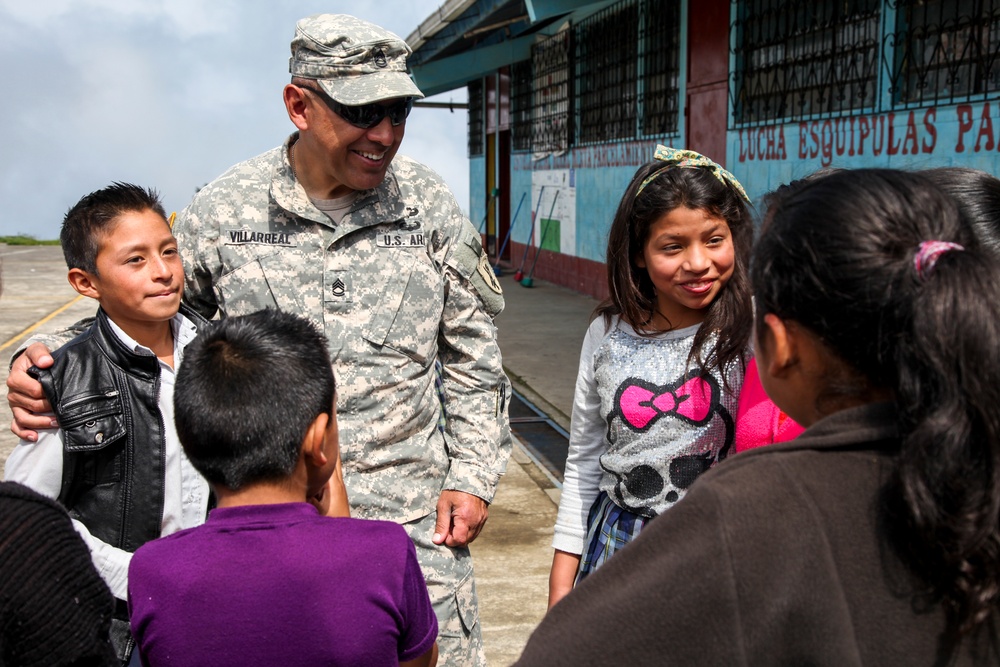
280 585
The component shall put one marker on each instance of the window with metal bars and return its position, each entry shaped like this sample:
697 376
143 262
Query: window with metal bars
945 50
804 58
520 105
476 118
627 69
607 62
550 94
659 50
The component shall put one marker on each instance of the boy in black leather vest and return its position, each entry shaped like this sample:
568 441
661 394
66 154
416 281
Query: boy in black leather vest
114 461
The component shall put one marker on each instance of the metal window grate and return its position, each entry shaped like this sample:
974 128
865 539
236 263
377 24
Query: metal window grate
945 50
607 56
476 118
520 105
550 94
659 39
804 58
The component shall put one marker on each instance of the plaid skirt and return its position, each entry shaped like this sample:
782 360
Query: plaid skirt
609 529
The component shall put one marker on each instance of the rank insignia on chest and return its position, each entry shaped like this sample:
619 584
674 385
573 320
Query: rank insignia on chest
338 287
400 239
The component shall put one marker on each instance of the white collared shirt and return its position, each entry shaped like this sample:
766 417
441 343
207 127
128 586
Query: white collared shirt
39 465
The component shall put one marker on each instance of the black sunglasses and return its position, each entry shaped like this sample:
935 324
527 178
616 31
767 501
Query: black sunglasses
366 115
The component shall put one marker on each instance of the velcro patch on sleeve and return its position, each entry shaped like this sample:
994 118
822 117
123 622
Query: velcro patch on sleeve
471 261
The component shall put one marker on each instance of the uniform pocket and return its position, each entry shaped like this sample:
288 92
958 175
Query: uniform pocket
244 290
467 607
408 313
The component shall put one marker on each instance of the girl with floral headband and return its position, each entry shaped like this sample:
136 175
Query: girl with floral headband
661 369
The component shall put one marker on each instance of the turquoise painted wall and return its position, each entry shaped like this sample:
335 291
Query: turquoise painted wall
520 184
966 135
598 192
762 158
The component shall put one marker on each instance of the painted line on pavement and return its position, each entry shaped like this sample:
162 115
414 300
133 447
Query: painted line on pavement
17 252
39 323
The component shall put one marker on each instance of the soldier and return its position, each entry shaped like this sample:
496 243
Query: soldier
373 248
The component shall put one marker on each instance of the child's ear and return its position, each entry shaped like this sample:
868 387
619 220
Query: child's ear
312 443
782 342
84 283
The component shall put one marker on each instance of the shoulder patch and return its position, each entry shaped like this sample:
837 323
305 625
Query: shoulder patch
486 271
471 262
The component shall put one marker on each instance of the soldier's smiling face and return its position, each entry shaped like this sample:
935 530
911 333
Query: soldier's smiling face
357 158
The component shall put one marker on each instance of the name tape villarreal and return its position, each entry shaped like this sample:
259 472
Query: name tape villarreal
247 237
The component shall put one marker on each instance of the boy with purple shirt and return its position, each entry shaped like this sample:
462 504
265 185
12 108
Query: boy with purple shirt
269 579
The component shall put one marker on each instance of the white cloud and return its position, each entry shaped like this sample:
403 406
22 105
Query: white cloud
183 18
165 93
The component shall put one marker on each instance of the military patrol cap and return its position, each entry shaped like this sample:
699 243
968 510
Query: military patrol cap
356 62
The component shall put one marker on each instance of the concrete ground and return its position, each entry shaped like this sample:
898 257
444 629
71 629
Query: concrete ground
540 332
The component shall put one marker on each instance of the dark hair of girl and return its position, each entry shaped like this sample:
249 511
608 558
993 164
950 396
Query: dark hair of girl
836 255
632 295
978 196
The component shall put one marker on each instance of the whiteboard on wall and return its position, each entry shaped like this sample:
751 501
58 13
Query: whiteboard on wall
555 217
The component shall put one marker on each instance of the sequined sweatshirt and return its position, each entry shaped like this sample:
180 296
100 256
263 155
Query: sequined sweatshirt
644 425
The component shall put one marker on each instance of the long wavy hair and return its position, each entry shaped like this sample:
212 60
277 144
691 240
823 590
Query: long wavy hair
836 255
632 295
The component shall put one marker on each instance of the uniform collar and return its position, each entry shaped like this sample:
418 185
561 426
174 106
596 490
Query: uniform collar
380 204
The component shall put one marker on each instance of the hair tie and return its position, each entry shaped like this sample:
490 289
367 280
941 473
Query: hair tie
690 160
928 253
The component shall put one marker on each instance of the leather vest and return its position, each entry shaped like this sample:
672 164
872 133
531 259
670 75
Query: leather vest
105 397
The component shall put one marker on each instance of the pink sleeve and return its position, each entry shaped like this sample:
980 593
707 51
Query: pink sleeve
758 420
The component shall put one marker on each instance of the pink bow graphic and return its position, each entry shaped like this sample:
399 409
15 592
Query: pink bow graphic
641 403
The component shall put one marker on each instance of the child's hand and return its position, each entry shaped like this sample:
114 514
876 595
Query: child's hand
562 576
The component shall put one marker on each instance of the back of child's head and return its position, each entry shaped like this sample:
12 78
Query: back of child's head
880 266
978 197
247 391
657 188
95 215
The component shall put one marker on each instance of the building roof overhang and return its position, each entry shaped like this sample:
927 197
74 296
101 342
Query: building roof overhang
467 39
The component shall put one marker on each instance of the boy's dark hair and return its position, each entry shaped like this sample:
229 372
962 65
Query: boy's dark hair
839 256
632 295
93 215
247 391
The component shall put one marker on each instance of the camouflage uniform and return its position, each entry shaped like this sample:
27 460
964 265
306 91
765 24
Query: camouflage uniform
400 283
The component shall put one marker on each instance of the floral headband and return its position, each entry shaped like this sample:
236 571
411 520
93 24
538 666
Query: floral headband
690 160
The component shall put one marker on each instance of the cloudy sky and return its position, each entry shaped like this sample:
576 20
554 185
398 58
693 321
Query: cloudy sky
165 93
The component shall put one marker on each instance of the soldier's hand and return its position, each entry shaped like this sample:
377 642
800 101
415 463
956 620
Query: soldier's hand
460 517
24 394
332 498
